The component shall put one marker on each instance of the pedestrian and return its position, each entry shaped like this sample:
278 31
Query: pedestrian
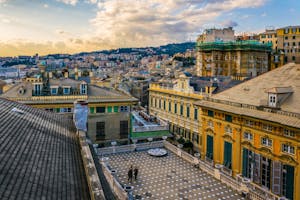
136 171
130 173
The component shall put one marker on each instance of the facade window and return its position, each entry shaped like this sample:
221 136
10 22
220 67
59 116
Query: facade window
294 37
100 109
175 108
228 130
294 30
164 104
100 130
83 89
37 89
227 154
195 114
209 147
249 123
248 136
116 108
293 58
66 90
210 113
124 108
267 127
210 124
159 104
266 142
53 91
286 31
272 100
286 37
65 110
187 112
195 137
288 149
155 102
266 164
109 109
289 133
169 106
181 110
124 129
228 118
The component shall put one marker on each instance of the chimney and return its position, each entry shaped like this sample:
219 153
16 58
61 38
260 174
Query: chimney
66 74
80 114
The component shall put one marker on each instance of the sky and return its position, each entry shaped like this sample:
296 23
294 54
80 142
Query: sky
28 27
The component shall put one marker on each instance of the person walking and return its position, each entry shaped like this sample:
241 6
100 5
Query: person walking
130 173
136 171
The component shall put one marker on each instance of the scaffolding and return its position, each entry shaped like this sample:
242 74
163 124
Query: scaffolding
244 45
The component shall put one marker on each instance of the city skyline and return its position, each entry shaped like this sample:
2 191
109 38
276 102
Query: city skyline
71 26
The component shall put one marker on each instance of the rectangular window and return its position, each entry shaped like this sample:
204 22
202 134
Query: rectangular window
289 133
266 172
228 130
53 91
228 118
92 110
249 123
267 127
210 113
286 31
175 108
288 149
100 130
124 129
66 90
83 88
195 114
169 106
155 101
65 110
109 109
187 112
248 136
124 108
100 109
181 110
116 108
266 142
209 147
227 155
164 104
159 103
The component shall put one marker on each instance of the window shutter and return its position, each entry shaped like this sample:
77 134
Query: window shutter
210 147
290 182
256 172
245 162
276 177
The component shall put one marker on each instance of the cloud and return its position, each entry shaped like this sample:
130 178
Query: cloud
45 5
70 2
156 22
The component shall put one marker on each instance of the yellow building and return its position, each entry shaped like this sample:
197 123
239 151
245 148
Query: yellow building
269 37
175 105
109 109
253 129
289 43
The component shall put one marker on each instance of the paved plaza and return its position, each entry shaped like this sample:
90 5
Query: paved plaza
168 177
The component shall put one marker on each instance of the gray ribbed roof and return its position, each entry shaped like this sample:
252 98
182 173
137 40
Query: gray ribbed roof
40 155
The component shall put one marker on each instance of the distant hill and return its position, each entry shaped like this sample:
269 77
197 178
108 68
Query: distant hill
169 49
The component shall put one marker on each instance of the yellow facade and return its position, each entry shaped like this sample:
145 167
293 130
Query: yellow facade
175 105
233 129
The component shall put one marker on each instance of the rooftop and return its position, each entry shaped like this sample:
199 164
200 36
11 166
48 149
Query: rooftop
40 155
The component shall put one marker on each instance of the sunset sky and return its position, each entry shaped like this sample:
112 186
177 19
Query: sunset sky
69 26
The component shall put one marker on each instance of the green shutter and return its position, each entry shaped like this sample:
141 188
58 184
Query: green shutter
116 108
227 154
209 146
290 182
58 110
245 162
196 114
109 109
92 110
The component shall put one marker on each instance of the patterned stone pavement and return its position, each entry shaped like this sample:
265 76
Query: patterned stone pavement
168 177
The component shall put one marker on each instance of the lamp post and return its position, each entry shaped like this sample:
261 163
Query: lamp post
113 144
150 140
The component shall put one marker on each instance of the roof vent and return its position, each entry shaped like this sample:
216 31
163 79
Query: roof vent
16 110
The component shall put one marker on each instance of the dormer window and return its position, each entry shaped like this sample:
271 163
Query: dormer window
54 90
66 89
272 100
83 88
37 88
